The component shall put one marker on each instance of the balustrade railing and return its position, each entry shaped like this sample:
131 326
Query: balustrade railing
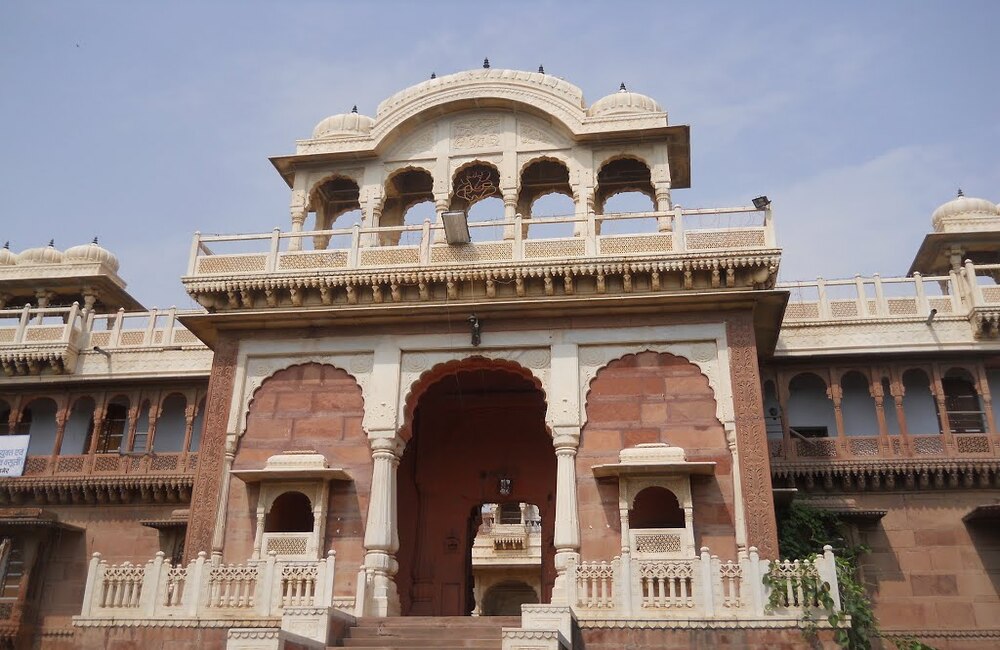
36 326
876 298
205 589
496 241
916 446
700 587
112 464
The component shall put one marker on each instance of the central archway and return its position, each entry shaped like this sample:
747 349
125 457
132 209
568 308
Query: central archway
477 436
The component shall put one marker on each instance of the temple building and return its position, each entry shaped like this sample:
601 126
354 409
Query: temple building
431 413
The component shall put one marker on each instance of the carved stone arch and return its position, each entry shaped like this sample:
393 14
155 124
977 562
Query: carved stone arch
790 377
357 366
347 174
643 186
270 496
527 197
164 395
416 389
385 195
702 354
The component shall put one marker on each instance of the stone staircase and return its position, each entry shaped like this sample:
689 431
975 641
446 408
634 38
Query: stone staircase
443 633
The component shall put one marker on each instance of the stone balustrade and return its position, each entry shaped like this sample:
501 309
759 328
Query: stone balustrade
365 248
911 446
703 587
137 594
112 464
34 339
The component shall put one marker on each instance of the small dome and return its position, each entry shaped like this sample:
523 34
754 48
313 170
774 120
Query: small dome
42 255
352 123
91 252
6 257
623 102
962 211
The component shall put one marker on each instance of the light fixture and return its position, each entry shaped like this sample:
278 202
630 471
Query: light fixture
505 486
476 328
456 227
930 316
761 202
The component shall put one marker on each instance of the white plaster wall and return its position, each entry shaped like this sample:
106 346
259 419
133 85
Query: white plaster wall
77 426
43 427
858 406
918 406
170 425
808 405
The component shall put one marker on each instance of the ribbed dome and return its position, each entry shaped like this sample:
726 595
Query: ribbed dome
91 252
622 102
963 208
344 124
7 258
42 255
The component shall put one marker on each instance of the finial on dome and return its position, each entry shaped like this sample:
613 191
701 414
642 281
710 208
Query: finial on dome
622 88
434 75
960 193
52 243
541 69
354 109
6 245
95 240
486 63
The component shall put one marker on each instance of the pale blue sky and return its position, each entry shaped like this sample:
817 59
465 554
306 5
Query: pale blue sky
142 122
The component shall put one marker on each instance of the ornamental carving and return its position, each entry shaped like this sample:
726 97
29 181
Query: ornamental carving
480 133
476 183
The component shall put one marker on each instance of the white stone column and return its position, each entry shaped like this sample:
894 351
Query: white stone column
381 532
567 522
219 534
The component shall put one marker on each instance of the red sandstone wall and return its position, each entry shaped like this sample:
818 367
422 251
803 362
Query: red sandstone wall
684 639
139 638
308 407
928 570
653 397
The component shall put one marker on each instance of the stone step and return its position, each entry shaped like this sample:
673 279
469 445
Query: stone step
440 632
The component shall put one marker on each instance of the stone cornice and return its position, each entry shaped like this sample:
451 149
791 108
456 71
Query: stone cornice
881 475
90 490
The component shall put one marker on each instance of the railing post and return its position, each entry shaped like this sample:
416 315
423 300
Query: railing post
707 578
824 304
862 297
193 259
923 307
354 255
147 337
881 306
361 597
826 566
196 585
425 242
770 240
324 591
590 235
756 569
680 237
957 297
518 237
22 325
975 291
74 313
168 330
624 582
151 586
91 588
266 585
272 256
114 340
571 594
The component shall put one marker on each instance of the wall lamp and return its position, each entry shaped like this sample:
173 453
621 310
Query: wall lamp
456 227
930 316
761 202
100 350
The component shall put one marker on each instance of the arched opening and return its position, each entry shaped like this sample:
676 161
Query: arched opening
624 185
772 412
655 507
335 203
197 426
545 192
291 512
919 406
506 598
140 439
961 400
114 427
79 427
4 418
403 191
858 405
476 189
810 411
40 417
493 418
171 423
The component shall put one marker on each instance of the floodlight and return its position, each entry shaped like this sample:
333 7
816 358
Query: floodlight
456 227
761 202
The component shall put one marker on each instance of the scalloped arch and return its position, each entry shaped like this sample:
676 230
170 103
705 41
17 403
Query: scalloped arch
713 382
258 383
315 185
428 378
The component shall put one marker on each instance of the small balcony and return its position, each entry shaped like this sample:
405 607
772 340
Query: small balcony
679 250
